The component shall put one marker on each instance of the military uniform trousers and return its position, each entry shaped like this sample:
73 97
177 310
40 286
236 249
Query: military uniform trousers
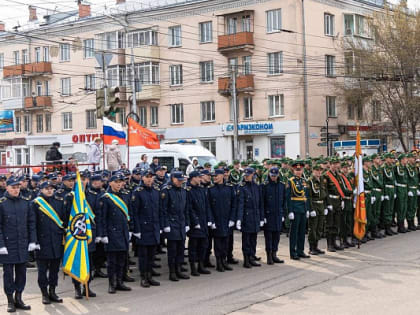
116 262
210 244
99 256
347 222
197 248
48 272
412 203
249 244
221 244
14 278
175 252
401 203
376 207
272 240
297 234
230 245
316 224
368 203
146 255
333 220
388 205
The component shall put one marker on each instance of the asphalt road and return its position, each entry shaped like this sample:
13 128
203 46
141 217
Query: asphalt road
382 277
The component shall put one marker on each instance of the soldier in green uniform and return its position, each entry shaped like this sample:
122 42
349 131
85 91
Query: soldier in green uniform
389 192
346 228
377 192
298 208
317 198
369 199
401 180
307 172
413 186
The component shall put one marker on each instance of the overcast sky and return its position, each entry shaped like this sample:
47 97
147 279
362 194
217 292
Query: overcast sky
16 11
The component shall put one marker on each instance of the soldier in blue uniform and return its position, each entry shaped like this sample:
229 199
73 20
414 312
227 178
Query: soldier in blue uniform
250 216
66 186
115 232
145 202
200 219
222 202
175 222
3 179
274 196
25 192
17 237
51 218
298 208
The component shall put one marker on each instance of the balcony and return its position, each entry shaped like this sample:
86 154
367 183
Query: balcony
143 53
148 93
12 103
243 41
27 70
42 102
244 83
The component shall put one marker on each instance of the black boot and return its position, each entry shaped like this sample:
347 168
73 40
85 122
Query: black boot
388 230
270 259
179 274
253 262
11 308
127 278
330 245
155 273
194 271
232 261
312 250
45 296
401 228
111 287
77 291
411 225
225 265
152 282
172 273
320 252
90 292
349 244
53 296
144 282
219 265
19 304
338 247
344 243
121 286
246 262
100 274
202 269
208 263
276 260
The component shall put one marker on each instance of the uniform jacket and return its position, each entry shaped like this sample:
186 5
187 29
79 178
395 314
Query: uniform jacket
198 210
222 202
174 211
93 197
297 199
250 207
274 197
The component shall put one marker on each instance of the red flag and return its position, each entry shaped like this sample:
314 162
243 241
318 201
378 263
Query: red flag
140 136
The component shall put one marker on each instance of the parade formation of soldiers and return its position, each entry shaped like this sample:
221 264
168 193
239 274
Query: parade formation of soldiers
137 213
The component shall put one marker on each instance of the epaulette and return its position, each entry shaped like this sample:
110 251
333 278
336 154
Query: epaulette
102 189
59 191
125 191
25 198
2 199
69 194
242 184
187 188
156 187
92 192
140 188
227 184
58 198
169 186
266 182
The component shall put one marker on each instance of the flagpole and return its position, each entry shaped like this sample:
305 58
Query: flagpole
128 142
103 148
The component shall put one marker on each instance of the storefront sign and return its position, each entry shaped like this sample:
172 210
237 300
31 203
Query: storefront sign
6 121
250 128
82 138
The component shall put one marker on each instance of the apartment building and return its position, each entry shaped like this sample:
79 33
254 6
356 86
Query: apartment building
185 58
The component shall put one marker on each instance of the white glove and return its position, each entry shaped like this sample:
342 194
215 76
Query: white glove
330 207
342 205
198 226
307 214
31 247
231 223
265 221
410 194
291 216
3 251
238 225
261 223
386 197
213 226
187 228
395 196
98 240
37 247
372 200
138 235
105 240
282 219
382 198
354 205
325 211
130 234
209 223
418 192
167 229
160 231
313 213
355 192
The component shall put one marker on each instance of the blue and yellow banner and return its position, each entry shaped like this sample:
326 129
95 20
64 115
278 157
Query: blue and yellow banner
49 211
78 236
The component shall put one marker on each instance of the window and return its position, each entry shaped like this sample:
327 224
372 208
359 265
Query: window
46 50
331 108
25 56
26 123
206 71
359 112
209 145
278 147
26 156
247 107
116 76
90 82
38 54
147 73
348 63
376 110
246 64
48 122
355 24
232 108
175 73
39 123
206 32
38 88
122 116
145 37
18 153
16 57
88 48
275 63
67 121
350 111
91 119
329 24
47 88
231 25
154 116
208 111
329 66
175 36
18 124
233 64
276 105
246 23
1 60
273 21
64 52
177 114
65 87
143 116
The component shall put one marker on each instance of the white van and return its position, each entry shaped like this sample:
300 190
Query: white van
173 154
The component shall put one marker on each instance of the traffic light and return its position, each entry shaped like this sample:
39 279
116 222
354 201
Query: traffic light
100 103
112 101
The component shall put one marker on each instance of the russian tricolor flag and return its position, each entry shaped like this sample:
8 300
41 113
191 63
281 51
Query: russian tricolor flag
113 131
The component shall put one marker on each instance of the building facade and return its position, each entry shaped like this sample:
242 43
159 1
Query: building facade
186 58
